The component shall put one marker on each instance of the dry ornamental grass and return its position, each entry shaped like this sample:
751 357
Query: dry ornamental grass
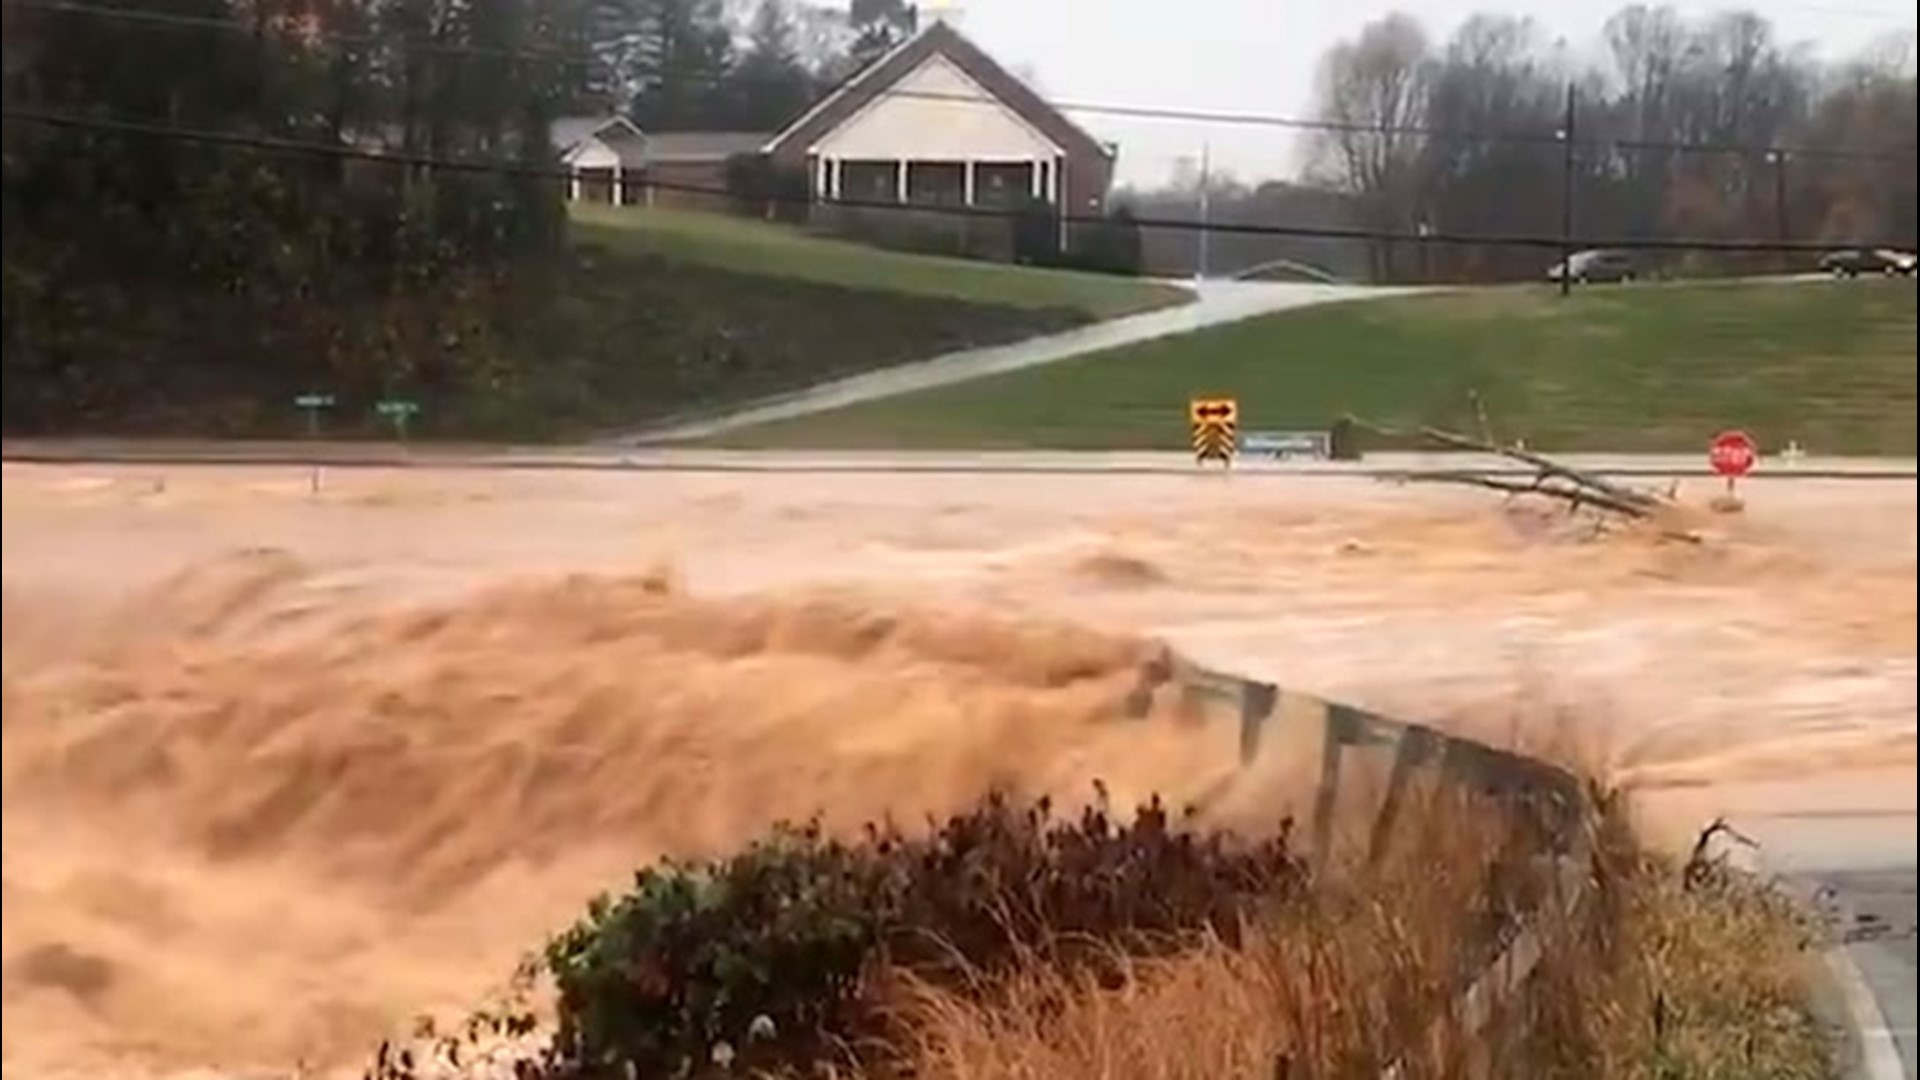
1041 970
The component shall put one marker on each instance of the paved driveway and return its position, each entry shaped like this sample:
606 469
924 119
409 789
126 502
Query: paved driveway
1217 302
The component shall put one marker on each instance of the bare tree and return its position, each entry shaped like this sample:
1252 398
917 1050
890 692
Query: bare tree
1868 103
1648 46
1494 76
1375 88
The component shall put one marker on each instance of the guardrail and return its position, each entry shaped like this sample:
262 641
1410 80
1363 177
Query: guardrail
1545 798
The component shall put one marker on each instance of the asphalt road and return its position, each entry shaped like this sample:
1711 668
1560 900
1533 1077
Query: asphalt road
1860 870
344 454
1879 907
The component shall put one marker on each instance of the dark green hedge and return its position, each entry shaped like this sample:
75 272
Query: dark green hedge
774 954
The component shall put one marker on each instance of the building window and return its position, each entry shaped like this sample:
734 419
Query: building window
937 183
1002 184
869 181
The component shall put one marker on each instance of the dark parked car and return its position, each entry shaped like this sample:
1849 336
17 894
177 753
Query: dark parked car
1852 262
1595 266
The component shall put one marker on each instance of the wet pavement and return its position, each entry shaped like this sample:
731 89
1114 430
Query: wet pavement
1861 871
1879 912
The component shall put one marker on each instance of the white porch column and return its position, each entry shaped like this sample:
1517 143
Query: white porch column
1033 177
966 184
900 181
619 186
833 178
821 177
573 185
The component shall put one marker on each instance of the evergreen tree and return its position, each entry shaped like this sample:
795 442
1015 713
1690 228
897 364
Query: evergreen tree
681 56
879 25
772 86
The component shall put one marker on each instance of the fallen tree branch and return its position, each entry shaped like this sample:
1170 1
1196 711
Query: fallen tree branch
1617 493
1551 479
1702 869
1575 497
1578 496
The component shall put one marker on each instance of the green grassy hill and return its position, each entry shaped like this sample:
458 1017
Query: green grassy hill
1639 368
759 248
646 314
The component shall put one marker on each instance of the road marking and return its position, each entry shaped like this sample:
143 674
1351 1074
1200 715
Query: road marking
1879 1053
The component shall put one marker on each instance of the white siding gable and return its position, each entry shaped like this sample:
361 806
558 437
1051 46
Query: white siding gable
897 125
592 154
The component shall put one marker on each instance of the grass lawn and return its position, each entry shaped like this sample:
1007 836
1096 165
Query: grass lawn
1654 368
754 247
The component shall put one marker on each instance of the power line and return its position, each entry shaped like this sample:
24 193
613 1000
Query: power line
1846 11
1893 153
337 37
294 147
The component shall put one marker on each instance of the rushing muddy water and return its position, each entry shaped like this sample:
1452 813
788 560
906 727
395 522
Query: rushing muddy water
282 768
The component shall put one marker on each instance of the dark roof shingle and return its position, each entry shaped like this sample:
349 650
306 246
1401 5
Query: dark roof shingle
702 145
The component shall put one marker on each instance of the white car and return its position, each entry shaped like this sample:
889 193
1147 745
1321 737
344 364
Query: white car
1852 262
1595 266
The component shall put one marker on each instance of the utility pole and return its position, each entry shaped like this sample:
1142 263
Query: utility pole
1779 158
1206 211
1566 197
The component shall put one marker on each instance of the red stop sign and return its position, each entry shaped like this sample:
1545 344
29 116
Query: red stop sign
1733 453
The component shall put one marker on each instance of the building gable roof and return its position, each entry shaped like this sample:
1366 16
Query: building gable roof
937 39
702 146
568 132
621 135
638 149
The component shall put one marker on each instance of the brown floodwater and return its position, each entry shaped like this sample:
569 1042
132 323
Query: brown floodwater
282 769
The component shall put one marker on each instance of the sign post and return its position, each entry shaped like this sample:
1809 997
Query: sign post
1215 424
313 405
1732 455
398 411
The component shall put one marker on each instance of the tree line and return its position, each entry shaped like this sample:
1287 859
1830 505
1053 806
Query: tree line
1709 128
107 232
473 80
728 65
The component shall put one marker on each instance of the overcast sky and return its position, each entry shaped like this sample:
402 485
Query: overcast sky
1259 56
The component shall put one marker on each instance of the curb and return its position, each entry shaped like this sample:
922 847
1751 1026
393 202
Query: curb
1841 996
1878 1056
